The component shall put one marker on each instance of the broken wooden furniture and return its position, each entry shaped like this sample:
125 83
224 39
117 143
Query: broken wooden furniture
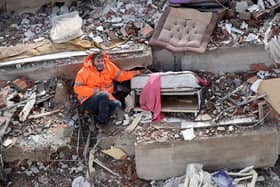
180 91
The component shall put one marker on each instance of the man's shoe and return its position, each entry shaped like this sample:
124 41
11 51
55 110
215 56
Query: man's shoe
118 122
118 114
99 127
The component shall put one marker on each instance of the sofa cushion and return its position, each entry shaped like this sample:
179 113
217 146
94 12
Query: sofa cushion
183 29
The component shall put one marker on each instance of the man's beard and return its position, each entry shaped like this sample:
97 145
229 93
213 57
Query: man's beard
99 68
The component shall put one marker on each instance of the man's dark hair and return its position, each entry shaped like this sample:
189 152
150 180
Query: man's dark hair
97 54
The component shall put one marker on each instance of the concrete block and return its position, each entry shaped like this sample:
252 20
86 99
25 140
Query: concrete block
2 101
235 59
21 84
147 31
245 15
61 97
155 161
241 6
227 59
3 97
3 84
127 61
39 147
68 68
124 141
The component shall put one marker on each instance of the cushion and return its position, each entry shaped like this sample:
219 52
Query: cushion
184 29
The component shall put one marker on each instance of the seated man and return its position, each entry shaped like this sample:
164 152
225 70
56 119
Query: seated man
94 85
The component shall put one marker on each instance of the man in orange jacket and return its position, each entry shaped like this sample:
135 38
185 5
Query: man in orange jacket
94 85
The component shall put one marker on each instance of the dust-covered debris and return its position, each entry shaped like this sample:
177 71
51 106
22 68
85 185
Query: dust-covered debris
108 20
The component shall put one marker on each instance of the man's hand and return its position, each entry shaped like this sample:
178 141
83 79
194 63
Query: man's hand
145 70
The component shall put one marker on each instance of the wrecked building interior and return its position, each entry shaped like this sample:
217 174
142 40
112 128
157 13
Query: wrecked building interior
204 111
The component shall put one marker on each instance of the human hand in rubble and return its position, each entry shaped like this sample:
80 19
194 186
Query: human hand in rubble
145 71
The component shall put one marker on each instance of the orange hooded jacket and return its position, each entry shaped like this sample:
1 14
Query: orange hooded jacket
89 81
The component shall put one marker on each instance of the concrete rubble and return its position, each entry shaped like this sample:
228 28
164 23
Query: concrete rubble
108 20
29 103
45 138
108 23
246 23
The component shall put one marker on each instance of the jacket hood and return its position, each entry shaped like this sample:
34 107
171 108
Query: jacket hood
87 61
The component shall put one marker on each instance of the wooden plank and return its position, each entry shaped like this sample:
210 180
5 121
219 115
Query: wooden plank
8 116
27 108
269 87
260 110
86 148
115 152
22 103
190 124
98 162
134 123
44 114
91 169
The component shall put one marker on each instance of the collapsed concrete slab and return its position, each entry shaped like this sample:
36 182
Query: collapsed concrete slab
227 59
67 66
117 137
164 160
39 147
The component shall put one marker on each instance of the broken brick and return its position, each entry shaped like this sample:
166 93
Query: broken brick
61 94
229 14
3 83
112 35
251 80
236 22
147 31
22 84
245 15
130 29
3 98
258 15
2 101
123 31
259 67
137 25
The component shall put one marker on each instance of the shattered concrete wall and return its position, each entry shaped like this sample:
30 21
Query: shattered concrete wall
22 5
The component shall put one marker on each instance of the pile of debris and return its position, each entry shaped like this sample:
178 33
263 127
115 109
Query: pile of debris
102 21
33 115
31 127
246 23
109 22
38 144
195 175
116 162
232 103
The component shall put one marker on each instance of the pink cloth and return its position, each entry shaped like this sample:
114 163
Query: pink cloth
150 96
